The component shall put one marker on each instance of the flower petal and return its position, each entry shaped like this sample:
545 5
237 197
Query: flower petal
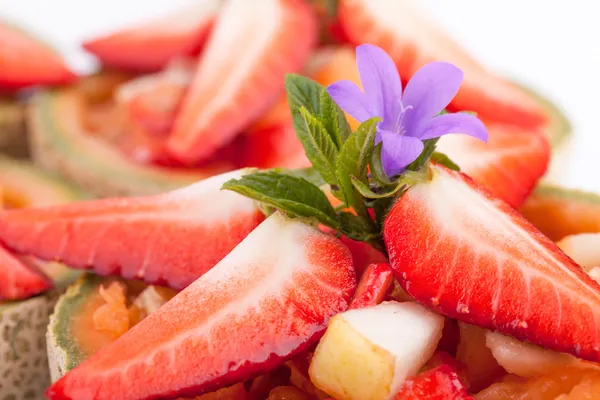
398 151
429 90
350 99
454 123
380 81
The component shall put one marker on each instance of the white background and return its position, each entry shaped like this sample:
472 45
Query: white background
554 46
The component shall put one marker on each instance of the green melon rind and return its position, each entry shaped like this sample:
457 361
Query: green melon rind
569 194
63 352
60 143
13 134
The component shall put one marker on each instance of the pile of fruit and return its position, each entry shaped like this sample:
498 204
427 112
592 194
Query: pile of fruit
190 221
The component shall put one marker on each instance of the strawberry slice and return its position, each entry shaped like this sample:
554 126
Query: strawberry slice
508 165
412 40
170 239
373 287
470 256
150 46
440 383
234 87
20 279
268 300
26 61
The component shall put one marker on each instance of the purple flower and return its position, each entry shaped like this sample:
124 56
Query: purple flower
408 117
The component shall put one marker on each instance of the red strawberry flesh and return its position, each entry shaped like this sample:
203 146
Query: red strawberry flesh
19 279
457 249
373 287
268 300
253 46
25 61
150 46
440 383
167 239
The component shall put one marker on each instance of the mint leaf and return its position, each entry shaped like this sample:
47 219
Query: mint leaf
294 195
318 146
365 191
428 149
334 119
353 160
303 92
355 227
307 173
444 160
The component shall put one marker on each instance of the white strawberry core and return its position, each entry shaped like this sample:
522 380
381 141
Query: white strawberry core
408 331
229 61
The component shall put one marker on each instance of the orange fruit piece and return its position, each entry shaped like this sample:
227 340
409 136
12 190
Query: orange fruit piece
113 317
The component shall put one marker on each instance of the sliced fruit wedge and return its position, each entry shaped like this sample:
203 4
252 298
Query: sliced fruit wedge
167 239
472 257
440 383
26 61
368 353
374 285
268 300
412 40
559 212
20 280
62 142
508 165
234 87
150 46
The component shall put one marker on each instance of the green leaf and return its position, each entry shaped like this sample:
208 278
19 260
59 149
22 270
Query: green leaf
334 120
428 149
365 191
291 194
443 159
318 146
353 160
377 168
303 92
381 208
307 173
355 227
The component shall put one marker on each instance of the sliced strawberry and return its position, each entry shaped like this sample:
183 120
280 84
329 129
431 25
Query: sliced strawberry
440 383
150 46
26 61
152 101
373 287
470 256
241 74
171 238
268 300
20 279
363 254
508 165
412 40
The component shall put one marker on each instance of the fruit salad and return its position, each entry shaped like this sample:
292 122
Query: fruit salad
298 200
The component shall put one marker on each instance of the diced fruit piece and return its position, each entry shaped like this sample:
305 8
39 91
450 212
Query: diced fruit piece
472 352
23 363
113 316
527 360
20 280
288 393
170 239
368 353
583 248
62 142
26 61
272 37
272 297
440 383
412 40
559 212
443 358
373 287
262 386
150 46
486 265
13 132
363 254
299 376
508 165
151 101
235 392
547 387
